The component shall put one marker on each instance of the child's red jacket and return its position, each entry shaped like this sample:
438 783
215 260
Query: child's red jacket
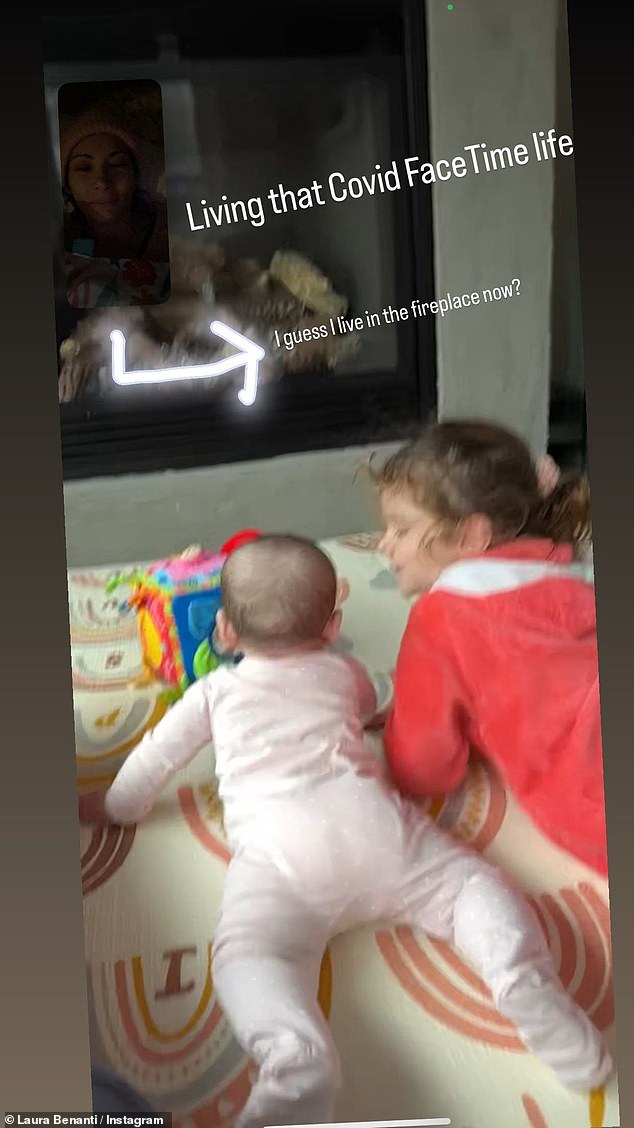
501 656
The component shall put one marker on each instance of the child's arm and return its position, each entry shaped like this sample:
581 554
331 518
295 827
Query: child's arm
425 738
162 752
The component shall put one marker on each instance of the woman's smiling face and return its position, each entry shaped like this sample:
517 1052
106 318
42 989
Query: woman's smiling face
102 178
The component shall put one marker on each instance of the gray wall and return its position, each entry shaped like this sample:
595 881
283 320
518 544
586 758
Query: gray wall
492 78
145 516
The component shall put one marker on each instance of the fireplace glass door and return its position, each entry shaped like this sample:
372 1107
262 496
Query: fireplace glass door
291 224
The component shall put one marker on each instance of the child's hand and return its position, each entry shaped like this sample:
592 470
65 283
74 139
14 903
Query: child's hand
384 691
92 809
377 721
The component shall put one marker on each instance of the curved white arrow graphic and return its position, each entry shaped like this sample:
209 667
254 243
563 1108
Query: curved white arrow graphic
248 357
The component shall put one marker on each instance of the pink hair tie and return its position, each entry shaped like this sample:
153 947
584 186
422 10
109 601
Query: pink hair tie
548 474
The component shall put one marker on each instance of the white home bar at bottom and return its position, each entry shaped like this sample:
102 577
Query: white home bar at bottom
374 1124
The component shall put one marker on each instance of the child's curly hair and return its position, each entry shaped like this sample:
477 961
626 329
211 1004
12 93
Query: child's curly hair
456 468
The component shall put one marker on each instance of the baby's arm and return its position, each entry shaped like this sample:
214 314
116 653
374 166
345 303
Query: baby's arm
372 710
162 752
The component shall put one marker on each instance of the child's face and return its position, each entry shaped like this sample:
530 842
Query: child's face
412 543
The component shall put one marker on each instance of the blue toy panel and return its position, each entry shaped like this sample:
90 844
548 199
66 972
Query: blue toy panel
194 618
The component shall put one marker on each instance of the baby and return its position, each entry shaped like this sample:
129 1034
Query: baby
321 843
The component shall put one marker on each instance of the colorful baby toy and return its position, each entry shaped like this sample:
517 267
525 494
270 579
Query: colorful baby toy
177 601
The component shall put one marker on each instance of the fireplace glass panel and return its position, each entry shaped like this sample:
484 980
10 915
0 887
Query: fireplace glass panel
289 219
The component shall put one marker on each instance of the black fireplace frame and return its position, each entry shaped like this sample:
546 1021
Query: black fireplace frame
293 415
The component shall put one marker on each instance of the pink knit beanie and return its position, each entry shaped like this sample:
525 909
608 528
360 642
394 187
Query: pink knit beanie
87 125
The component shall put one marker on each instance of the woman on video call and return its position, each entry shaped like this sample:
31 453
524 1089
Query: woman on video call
109 221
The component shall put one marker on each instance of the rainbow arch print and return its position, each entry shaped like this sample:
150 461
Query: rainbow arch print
106 665
96 615
182 1059
535 1118
103 742
105 853
199 807
188 1061
576 924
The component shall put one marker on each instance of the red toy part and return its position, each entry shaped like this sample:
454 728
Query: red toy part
239 539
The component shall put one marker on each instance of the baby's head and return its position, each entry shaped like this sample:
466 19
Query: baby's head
463 487
279 595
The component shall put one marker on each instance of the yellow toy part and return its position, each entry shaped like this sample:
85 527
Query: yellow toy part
150 641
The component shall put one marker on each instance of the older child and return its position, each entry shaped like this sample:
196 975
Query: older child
500 650
320 843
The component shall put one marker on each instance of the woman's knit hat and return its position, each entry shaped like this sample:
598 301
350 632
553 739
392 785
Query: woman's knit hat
95 121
